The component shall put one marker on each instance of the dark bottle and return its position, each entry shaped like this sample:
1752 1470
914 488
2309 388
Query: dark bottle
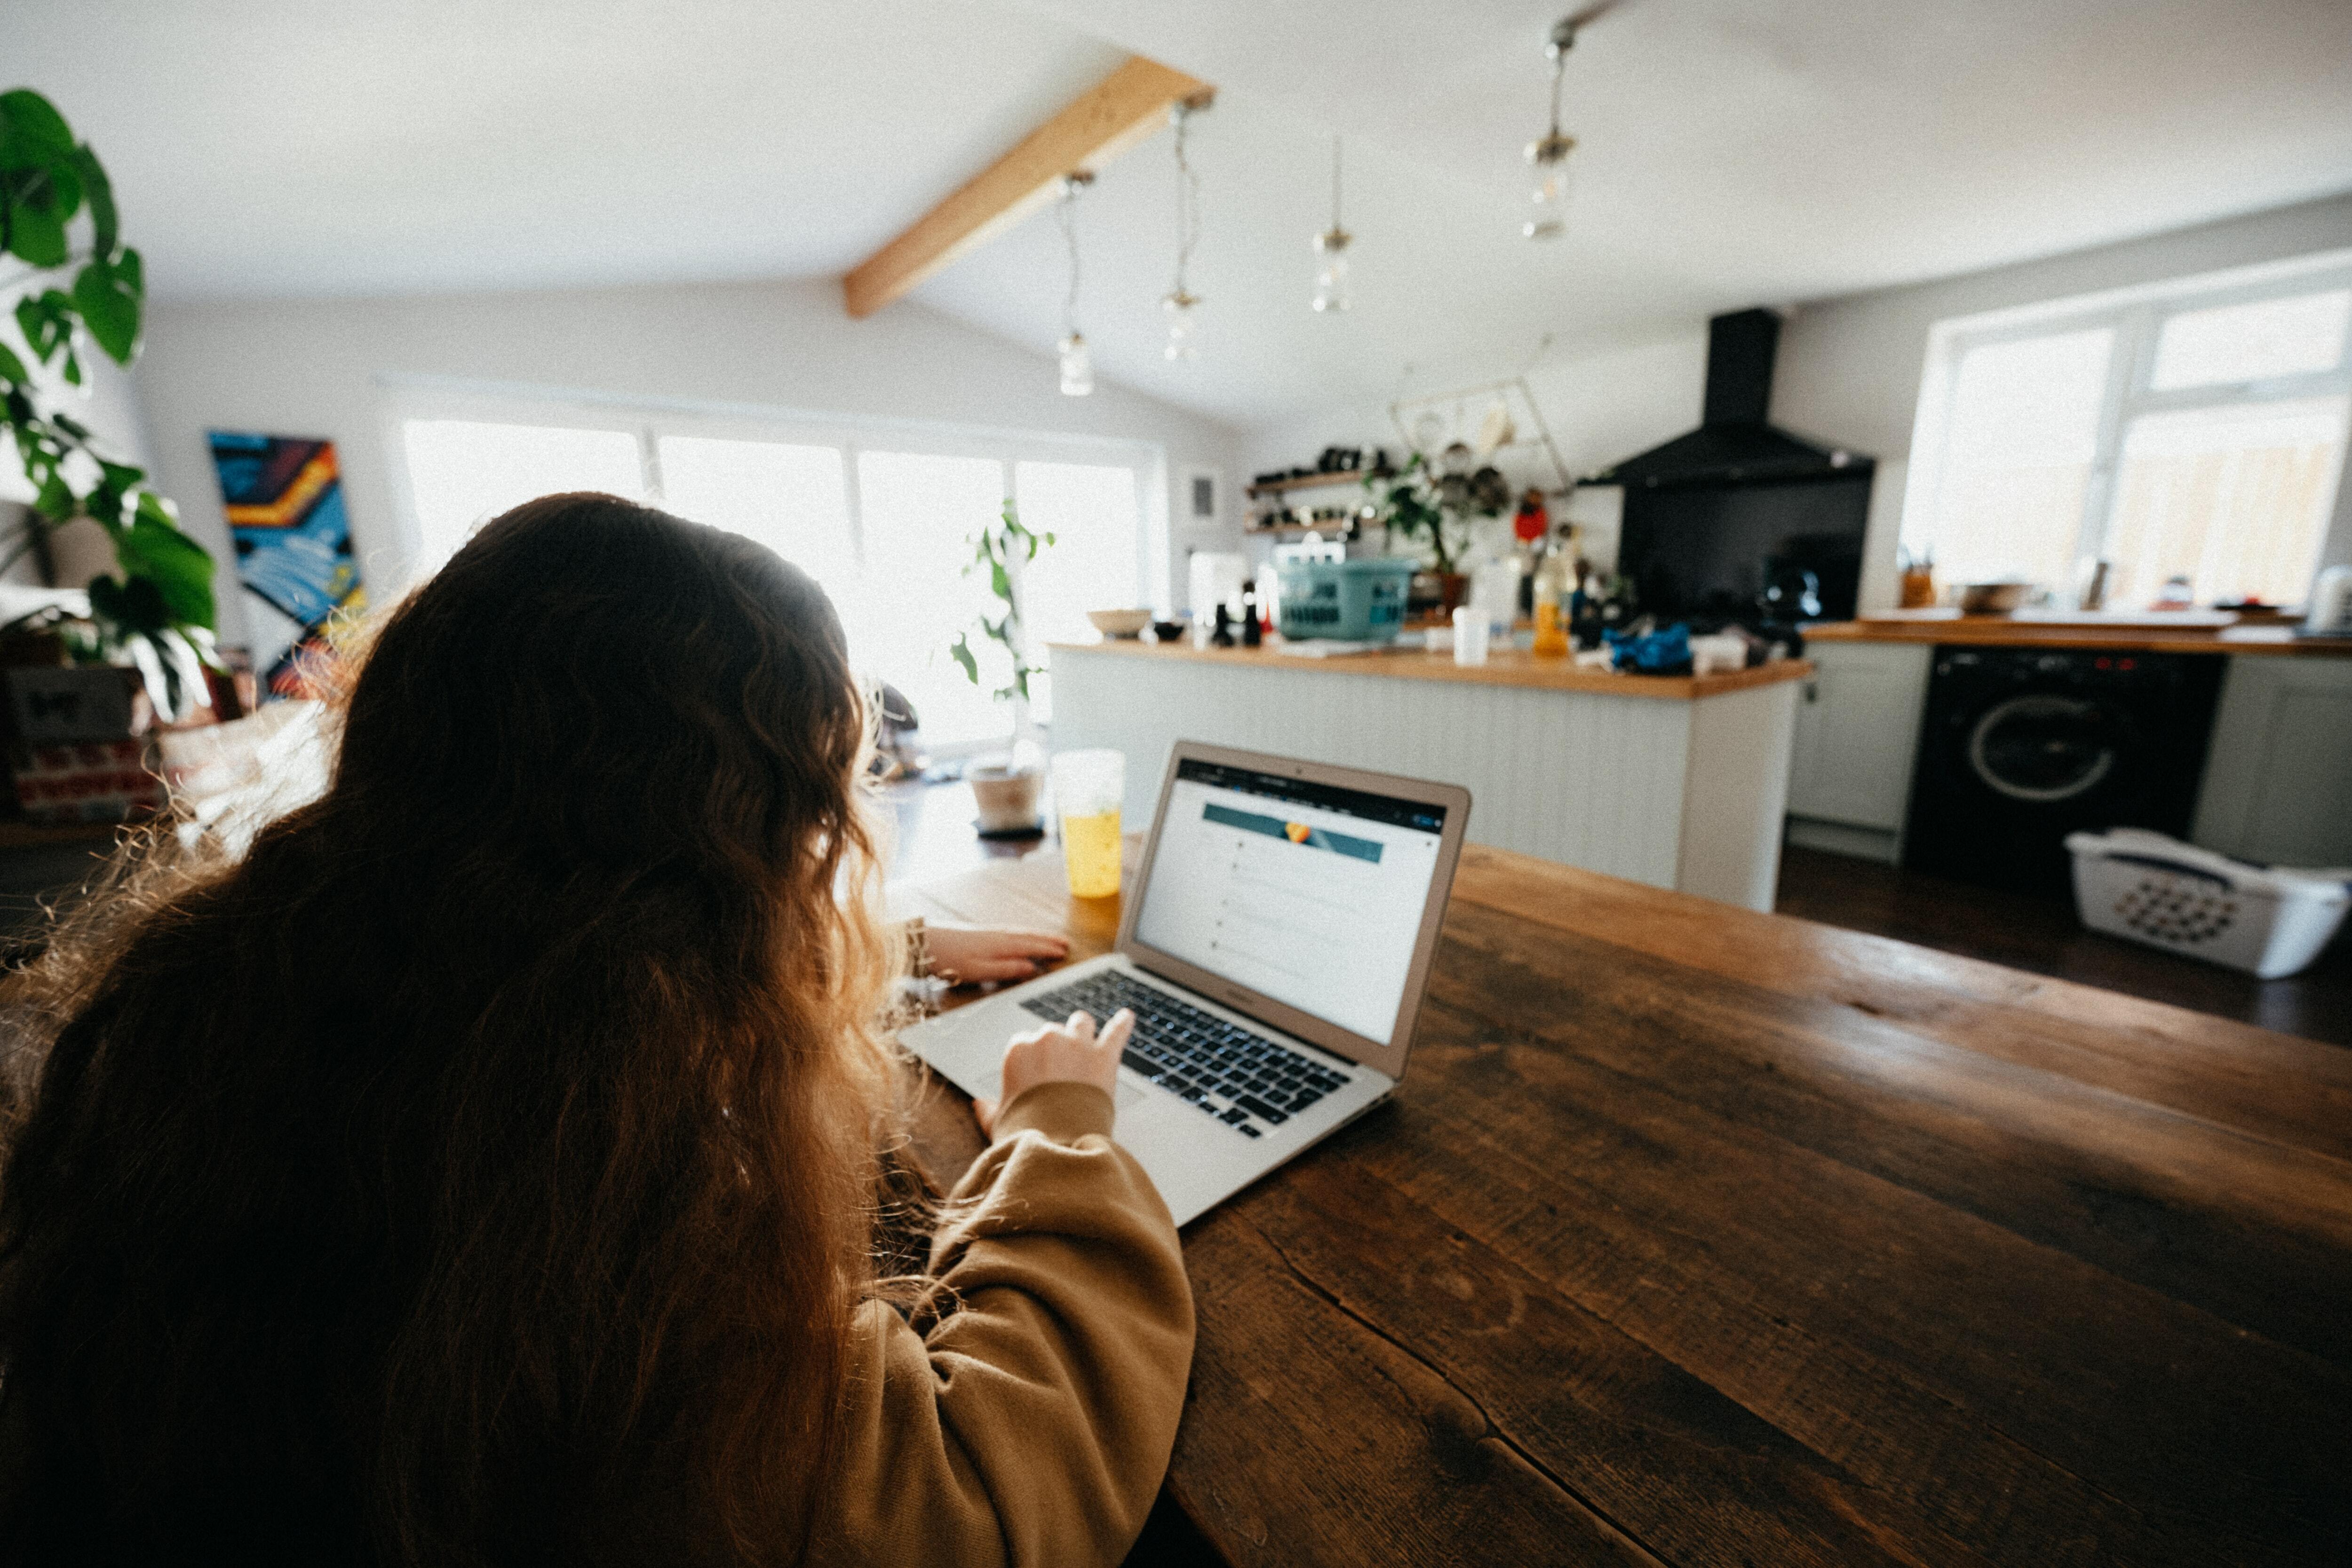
1224 635
1253 628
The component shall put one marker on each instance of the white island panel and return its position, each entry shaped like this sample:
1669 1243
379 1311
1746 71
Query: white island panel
1682 793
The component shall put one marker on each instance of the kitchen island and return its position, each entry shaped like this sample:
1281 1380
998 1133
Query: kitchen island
1673 781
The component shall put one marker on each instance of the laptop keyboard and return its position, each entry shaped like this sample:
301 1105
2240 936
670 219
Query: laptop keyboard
1218 1066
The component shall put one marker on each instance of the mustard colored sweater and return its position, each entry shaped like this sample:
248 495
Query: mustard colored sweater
1032 1424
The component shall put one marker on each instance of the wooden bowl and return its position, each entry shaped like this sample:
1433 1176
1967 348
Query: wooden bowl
1992 598
1120 623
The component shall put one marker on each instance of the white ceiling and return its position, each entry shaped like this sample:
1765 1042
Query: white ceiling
271 147
1733 152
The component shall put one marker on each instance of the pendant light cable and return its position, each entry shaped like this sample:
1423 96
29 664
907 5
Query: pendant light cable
1076 361
1065 212
1331 245
1188 199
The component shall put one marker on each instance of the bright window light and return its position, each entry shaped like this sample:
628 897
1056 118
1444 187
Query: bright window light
462 473
794 499
2022 437
888 549
1090 511
2298 335
2193 431
918 510
2234 497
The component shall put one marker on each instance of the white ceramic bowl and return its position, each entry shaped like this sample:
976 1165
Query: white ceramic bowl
1120 623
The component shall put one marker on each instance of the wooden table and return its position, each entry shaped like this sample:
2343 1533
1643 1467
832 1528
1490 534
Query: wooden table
1695 1236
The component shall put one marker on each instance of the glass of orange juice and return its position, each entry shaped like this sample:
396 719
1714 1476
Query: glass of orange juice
1086 790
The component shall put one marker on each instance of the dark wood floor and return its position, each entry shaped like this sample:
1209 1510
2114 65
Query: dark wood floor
2045 938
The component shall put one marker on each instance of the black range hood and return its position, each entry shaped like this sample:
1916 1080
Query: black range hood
1734 443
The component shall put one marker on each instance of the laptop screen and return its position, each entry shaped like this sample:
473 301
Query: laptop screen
1308 894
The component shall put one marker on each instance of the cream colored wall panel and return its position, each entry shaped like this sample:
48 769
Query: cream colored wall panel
1584 778
2278 777
1858 732
1731 829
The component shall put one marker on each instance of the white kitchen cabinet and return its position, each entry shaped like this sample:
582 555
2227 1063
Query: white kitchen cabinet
2278 780
1857 734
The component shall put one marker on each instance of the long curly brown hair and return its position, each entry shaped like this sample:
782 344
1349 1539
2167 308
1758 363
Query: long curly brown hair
481 1168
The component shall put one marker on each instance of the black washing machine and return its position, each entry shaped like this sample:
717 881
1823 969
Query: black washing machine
2022 746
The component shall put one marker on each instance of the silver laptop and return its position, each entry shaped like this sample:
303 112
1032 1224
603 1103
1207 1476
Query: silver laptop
1275 944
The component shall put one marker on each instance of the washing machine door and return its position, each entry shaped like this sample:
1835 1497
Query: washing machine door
2045 747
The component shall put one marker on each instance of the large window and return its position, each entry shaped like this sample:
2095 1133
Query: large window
881 519
2193 433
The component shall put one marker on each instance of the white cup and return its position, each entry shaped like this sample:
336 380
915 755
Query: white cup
1470 632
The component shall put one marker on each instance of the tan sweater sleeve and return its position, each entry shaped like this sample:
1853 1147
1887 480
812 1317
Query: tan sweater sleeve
1034 1423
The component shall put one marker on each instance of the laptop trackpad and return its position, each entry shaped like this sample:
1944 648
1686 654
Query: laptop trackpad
987 1084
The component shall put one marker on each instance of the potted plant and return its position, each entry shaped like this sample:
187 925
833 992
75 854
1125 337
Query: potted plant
1006 790
1435 511
158 614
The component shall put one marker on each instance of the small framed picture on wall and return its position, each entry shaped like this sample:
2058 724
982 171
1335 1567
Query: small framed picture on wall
1203 499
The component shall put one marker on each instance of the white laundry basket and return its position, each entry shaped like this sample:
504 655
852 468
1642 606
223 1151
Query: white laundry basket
2147 887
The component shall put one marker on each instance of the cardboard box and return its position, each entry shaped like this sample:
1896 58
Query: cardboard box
84 702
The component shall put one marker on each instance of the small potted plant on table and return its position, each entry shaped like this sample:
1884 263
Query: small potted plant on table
1007 789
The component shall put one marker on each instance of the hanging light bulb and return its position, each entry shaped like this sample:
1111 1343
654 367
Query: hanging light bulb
1078 366
1548 153
1331 245
1077 360
1180 304
1182 324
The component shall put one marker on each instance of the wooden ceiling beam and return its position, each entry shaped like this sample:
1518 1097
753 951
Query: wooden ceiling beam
1119 112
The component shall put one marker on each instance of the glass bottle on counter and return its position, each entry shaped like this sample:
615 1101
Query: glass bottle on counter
1555 577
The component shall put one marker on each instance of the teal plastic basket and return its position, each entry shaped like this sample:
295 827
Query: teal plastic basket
1353 601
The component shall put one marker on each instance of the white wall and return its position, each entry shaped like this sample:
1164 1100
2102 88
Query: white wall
1850 368
311 368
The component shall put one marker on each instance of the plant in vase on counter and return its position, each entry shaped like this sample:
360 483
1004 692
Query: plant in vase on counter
1434 512
1006 790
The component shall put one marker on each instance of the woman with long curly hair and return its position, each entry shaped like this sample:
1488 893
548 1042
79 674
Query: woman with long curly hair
493 1163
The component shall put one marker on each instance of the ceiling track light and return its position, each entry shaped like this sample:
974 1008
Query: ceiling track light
1548 153
1332 274
1076 361
1180 304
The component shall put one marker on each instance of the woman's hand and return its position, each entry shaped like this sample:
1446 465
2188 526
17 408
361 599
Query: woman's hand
1073 1053
968 957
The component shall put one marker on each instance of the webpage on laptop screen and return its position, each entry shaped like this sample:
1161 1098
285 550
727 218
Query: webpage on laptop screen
1307 894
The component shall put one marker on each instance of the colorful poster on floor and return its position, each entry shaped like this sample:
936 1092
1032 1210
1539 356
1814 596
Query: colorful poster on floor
284 501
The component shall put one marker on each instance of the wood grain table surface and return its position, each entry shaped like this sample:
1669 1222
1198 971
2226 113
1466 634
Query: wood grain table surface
1699 1236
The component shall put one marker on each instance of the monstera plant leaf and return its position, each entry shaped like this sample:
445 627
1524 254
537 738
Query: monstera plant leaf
159 613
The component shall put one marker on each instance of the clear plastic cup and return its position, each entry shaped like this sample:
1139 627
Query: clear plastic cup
1087 788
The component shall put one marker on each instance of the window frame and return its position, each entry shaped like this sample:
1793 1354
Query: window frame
406 398
2137 316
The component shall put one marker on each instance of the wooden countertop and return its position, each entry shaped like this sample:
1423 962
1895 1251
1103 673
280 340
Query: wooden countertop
2193 633
1701 1237
1504 667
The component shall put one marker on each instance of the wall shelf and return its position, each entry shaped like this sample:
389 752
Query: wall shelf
1309 482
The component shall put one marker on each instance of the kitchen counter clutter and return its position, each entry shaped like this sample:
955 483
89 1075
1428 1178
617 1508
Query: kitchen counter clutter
1673 781
2190 631
1504 667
